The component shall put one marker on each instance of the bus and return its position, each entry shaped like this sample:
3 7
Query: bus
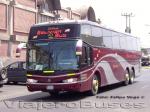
79 55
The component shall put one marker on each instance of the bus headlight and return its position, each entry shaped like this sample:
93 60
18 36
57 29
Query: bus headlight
70 80
32 81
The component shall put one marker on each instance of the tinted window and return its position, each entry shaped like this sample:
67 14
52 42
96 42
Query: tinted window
107 38
96 32
129 43
123 42
134 44
106 33
108 42
24 65
115 40
138 44
91 35
86 30
14 65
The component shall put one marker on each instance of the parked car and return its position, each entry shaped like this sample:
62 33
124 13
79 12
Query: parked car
3 76
16 72
145 61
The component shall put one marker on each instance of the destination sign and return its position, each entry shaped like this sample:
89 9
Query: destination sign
54 32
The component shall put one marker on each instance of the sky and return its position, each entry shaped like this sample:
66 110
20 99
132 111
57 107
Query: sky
110 11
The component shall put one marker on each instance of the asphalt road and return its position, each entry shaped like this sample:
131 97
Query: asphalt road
115 98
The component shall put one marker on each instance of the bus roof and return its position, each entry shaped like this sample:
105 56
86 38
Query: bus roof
66 22
77 22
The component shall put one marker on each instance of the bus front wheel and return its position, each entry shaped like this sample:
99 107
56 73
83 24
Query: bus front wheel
94 85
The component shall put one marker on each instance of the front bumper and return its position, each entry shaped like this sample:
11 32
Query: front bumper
54 87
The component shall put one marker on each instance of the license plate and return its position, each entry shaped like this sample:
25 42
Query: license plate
50 87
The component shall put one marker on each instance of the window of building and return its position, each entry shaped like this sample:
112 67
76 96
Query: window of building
44 18
43 7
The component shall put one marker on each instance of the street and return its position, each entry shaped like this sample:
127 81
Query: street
115 98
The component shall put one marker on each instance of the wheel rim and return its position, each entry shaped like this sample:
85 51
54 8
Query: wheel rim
95 84
131 78
127 79
3 74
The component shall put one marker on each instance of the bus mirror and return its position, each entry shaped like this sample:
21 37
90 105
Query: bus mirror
79 47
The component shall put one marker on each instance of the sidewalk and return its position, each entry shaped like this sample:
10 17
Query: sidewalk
146 67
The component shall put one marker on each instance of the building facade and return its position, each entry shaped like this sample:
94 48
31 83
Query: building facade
16 18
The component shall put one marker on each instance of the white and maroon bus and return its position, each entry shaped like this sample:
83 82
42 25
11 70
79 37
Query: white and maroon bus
79 56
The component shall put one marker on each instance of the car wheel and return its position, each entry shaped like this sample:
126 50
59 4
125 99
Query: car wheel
3 74
15 82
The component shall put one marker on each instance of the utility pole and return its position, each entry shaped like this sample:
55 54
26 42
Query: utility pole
128 21
10 27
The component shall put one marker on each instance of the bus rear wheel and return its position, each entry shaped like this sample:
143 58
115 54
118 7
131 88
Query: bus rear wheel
131 78
95 86
127 79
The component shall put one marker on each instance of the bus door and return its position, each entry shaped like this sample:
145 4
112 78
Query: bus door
86 57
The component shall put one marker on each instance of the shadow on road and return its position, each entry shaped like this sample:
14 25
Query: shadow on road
63 97
19 84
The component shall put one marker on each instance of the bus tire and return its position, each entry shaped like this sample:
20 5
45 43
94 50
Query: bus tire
127 79
131 78
94 85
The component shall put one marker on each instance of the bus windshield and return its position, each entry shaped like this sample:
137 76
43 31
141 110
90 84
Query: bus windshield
53 55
